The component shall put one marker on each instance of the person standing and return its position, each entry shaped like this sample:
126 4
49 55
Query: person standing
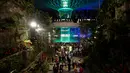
75 70
69 65
55 69
81 69
57 64
78 69
56 60
74 64
61 68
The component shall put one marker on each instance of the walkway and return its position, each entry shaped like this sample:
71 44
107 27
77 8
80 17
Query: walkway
65 68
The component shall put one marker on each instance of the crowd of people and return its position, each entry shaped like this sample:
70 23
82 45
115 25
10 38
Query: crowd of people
64 61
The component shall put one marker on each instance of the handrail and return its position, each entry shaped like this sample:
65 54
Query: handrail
33 63
71 20
13 55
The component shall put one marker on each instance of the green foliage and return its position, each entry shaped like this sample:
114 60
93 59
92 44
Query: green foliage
10 64
44 18
17 17
110 33
16 22
15 62
86 59
45 67
85 25
26 5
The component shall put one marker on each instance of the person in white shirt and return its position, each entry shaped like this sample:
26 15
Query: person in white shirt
78 70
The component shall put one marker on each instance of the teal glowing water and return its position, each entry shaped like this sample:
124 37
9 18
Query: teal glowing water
68 35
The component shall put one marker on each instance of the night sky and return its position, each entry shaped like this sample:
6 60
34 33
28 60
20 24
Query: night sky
80 4
51 6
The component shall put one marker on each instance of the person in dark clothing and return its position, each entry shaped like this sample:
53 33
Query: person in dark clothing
61 68
52 59
69 61
69 66
57 65
60 58
55 69
63 58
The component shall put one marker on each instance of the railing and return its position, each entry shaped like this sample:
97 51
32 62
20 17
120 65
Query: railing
35 65
71 20
17 61
8 57
62 20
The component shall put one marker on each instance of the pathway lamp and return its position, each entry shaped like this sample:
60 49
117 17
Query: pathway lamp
33 24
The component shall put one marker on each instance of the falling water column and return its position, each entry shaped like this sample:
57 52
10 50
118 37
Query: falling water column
65 12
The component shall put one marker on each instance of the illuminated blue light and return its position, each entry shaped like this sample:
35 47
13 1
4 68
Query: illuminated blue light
68 35
89 33
91 6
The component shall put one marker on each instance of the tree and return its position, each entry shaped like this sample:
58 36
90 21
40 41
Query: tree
109 34
15 15
45 21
